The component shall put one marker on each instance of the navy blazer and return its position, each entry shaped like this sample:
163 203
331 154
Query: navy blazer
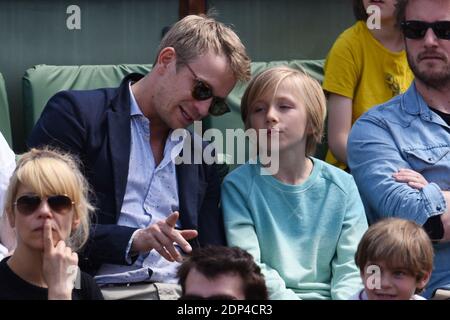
95 125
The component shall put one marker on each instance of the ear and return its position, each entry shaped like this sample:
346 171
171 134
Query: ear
165 57
11 218
309 129
75 222
421 283
361 274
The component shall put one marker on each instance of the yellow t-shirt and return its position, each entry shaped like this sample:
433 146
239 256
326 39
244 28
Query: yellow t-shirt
362 69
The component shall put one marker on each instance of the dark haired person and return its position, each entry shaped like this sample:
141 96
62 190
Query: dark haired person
221 273
399 152
365 67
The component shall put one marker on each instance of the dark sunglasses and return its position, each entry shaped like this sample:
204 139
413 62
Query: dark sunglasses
28 204
413 29
203 91
216 297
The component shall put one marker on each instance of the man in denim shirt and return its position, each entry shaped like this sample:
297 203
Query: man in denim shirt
399 152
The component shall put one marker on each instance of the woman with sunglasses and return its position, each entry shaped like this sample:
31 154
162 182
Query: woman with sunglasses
47 205
366 66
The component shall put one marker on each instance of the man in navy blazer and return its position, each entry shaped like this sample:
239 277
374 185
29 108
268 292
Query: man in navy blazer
148 207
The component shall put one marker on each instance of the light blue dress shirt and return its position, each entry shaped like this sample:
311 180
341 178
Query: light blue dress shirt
151 195
403 133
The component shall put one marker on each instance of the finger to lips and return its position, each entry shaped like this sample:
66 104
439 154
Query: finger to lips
48 237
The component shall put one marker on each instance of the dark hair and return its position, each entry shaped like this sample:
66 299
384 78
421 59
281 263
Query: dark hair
359 11
213 261
400 9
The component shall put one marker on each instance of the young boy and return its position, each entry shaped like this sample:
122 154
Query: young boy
395 257
303 221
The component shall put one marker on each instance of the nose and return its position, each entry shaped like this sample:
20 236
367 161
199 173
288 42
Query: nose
44 211
271 115
202 108
385 280
430 38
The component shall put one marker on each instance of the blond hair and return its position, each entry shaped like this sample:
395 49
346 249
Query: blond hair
195 35
309 91
50 172
399 243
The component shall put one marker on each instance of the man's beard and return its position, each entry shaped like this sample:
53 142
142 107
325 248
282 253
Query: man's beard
435 79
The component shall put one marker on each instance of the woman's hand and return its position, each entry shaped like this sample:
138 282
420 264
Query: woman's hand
59 266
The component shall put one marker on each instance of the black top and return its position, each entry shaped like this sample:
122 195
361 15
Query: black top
12 287
443 115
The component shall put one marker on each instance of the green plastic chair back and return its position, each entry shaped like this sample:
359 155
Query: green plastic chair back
41 82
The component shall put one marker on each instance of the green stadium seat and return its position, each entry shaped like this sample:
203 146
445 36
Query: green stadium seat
41 82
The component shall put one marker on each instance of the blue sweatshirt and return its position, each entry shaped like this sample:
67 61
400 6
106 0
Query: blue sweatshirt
304 237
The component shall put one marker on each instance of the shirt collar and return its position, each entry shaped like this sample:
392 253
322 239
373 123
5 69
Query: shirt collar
134 108
412 101
175 140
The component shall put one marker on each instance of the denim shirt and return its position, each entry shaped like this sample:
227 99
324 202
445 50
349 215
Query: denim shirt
403 133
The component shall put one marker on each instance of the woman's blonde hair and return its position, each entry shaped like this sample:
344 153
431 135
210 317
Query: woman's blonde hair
399 243
51 172
308 89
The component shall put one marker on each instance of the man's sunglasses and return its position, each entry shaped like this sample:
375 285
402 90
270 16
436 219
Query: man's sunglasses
28 204
202 91
413 29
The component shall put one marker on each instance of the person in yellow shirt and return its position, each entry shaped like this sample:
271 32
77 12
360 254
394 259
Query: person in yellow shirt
365 67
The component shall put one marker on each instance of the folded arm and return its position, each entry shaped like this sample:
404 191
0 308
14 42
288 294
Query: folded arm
374 158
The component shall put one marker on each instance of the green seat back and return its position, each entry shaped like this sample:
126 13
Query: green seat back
43 81
5 125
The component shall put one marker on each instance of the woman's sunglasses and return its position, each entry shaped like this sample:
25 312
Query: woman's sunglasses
203 91
28 204
413 29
